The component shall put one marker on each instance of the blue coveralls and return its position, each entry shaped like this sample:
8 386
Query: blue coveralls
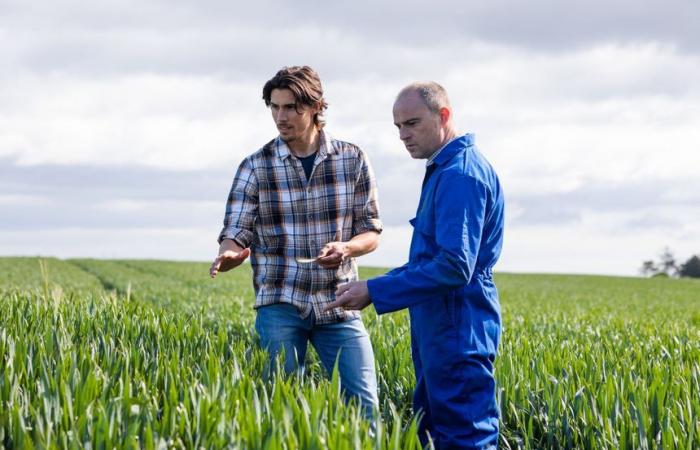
452 299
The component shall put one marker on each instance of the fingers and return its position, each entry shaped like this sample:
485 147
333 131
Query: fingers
329 260
215 267
330 257
329 263
343 298
332 249
342 288
244 253
228 260
332 305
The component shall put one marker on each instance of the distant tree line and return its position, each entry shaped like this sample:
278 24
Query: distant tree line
667 266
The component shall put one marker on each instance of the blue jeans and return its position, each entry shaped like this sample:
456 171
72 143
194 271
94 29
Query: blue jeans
282 329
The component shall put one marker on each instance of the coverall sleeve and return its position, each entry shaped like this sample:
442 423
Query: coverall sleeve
241 206
397 270
460 209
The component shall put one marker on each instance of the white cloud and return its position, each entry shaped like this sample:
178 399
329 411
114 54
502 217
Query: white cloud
599 243
172 242
158 121
160 90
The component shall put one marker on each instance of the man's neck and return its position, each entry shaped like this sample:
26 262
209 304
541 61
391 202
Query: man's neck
450 134
306 145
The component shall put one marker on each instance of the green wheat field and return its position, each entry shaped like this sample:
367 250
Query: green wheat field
154 354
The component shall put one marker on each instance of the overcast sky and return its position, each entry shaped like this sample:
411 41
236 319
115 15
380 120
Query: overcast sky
123 122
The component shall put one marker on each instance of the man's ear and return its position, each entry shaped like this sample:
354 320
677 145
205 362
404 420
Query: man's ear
445 115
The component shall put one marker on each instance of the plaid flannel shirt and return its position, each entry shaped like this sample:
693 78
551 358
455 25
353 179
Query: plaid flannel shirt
273 209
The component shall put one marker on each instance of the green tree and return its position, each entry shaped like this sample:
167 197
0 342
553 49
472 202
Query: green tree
690 268
667 263
648 268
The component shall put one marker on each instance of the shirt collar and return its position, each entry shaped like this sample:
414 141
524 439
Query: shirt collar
447 151
325 147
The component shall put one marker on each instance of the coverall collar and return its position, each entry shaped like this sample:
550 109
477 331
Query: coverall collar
453 147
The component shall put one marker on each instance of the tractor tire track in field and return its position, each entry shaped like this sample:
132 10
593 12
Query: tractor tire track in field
107 284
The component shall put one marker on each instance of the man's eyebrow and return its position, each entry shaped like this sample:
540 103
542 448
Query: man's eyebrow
406 121
285 104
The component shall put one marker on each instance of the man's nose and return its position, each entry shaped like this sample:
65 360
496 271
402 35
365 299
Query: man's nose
281 116
404 134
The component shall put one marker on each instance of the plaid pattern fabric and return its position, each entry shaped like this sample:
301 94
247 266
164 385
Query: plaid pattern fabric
273 209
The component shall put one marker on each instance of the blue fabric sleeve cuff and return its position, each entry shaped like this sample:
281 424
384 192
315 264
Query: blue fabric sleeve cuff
374 289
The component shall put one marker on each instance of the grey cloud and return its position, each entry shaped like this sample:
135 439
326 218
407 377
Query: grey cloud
113 182
84 197
81 195
241 40
651 222
537 23
73 212
656 195
536 213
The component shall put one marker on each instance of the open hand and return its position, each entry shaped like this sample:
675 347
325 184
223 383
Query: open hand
228 260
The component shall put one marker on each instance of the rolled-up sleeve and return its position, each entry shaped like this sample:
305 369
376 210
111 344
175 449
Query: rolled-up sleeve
365 214
241 206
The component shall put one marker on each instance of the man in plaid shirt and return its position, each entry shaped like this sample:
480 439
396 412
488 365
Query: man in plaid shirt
303 207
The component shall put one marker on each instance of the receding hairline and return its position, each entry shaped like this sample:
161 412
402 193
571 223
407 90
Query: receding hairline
433 94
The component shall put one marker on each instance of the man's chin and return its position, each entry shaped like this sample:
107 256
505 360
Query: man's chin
287 137
414 154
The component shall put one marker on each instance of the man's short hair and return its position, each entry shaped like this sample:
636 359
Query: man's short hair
305 85
433 94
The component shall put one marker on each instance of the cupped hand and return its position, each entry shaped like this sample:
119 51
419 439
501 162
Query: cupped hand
333 254
228 260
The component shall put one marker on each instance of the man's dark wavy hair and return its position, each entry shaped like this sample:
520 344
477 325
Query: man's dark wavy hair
304 83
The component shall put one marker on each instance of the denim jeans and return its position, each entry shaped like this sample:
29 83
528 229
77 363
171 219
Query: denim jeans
281 328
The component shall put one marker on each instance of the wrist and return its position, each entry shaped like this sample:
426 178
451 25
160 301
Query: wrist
229 244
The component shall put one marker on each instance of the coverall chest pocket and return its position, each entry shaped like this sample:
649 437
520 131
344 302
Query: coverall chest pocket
423 225
423 243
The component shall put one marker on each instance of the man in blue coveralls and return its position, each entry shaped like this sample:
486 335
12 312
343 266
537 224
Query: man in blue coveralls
447 284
